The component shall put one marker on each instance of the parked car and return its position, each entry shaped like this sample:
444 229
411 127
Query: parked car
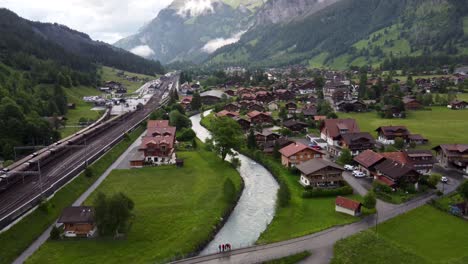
444 179
359 174
349 167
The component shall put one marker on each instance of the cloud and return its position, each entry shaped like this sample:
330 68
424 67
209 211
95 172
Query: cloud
105 20
143 51
214 44
195 8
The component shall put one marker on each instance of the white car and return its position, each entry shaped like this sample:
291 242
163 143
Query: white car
359 174
349 167
444 180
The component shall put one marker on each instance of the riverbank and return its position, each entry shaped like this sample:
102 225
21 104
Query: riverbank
176 211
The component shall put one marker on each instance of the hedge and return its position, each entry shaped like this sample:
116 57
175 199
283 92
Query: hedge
317 192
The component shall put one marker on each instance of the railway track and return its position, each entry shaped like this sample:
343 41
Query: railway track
24 195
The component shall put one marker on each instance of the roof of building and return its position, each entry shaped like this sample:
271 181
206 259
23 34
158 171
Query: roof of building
294 148
350 138
368 158
453 149
395 156
393 169
227 113
391 130
347 203
256 113
158 123
314 165
291 123
333 126
214 93
77 214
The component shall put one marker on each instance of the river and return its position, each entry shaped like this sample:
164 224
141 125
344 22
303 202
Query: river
255 208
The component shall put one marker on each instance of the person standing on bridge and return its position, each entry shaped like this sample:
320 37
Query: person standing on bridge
219 248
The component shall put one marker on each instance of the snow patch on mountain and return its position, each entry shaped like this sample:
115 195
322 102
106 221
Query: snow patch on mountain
143 50
214 44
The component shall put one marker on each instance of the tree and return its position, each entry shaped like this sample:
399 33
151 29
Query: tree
187 134
251 140
227 135
283 113
399 143
196 102
463 191
433 180
370 200
112 213
179 120
55 233
346 157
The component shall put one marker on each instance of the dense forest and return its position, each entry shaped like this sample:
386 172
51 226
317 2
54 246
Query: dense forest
35 68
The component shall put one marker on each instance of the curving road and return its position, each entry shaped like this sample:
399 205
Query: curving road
255 208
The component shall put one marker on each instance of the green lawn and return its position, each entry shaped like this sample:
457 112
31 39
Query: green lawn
440 126
110 74
302 216
175 211
424 235
20 236
75 95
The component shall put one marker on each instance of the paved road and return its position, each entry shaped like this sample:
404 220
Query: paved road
321 244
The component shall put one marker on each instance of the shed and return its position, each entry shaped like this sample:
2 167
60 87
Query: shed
347 206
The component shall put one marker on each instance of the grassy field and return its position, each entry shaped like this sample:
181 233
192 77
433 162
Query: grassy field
75 95
110 74
440 126
176 209
20 236
424 235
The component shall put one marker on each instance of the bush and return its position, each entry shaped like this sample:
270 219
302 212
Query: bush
370 200
235 162
317 192
88 172
381 188
55 233
44 206
187 134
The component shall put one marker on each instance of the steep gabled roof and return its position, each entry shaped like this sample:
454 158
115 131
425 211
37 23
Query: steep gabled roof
314 165
347 203
333 126
294 148
368 158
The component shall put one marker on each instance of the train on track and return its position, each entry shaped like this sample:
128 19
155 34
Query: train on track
31 164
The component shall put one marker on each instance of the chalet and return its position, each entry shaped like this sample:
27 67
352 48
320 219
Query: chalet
264 96
396 174
367 161
231 92
291 106
232 107
338 96
388 134
245 124
78 221
212 97
417 139
453 155
260 118
157 147
412 104
284 95
351 106
309 112
245 104
248 97
332 129
421 160
296 153
295 126
256 107
357 142
347 206
226 113
458 105
186 102
266 136
320 173
269 146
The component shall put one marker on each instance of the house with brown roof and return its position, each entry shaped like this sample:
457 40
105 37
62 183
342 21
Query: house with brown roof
412 104
157 146
296 153
309 112
421 160
260 118
265 136
396 174
356 142
458 105
320 173
388 134
284 95
295 126
347 206
453 156
78 221
232 107
331 130
226 113
256 107
367 161
244 123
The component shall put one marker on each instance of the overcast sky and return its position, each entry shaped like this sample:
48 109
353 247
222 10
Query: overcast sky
106 20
